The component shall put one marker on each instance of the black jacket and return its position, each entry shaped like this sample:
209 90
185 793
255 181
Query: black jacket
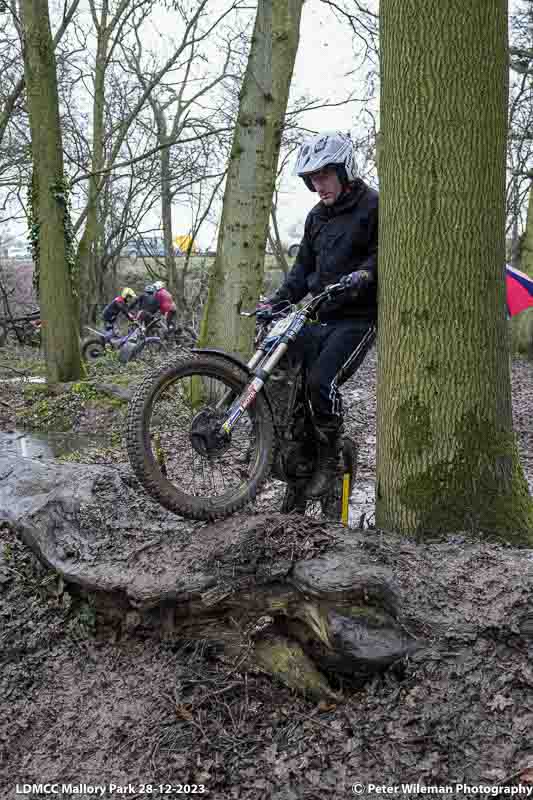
146 302
337 240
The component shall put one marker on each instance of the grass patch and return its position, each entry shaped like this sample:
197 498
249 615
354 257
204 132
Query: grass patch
44 409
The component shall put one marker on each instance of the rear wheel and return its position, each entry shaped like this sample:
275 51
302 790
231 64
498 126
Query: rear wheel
92 349
330 506
176 446
148 350
185 337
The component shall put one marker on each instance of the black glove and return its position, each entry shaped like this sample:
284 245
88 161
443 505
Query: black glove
264 310
356 280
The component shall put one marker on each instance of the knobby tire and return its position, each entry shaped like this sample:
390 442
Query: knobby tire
92 349
143 459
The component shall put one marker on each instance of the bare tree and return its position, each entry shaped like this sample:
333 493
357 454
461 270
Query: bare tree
520 162
106 158
238 271
13 81
175 109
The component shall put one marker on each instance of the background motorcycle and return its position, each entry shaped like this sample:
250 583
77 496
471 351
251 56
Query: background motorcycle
135 344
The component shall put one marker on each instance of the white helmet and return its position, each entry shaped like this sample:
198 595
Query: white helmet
330 147
158 285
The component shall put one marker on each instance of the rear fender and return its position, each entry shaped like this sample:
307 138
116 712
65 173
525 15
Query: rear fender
101 335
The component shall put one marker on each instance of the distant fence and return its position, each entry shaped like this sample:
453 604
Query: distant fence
16 275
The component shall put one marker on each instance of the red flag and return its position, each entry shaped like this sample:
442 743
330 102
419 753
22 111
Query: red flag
519 288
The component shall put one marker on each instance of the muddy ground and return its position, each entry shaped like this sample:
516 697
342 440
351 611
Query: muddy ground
79 706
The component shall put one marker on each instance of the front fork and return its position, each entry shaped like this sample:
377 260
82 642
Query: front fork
241 403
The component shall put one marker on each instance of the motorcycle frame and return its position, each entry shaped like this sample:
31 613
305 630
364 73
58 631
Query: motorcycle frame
263 361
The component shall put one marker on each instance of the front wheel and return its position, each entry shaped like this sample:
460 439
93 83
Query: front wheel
330 506
176 446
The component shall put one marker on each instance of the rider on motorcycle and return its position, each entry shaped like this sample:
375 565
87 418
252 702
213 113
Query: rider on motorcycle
340 244
117 306
146 303
167 306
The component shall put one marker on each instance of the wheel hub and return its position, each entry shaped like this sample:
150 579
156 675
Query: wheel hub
207 438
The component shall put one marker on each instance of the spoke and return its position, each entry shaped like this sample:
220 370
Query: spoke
189 400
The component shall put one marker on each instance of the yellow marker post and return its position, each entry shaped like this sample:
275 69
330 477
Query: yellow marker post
160 456
345 498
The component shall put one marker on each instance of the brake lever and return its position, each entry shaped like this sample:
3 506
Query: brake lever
335 289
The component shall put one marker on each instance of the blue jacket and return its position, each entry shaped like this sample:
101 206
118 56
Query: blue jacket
114 308
337 240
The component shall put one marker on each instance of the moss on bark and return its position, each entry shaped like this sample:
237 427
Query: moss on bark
446 452
480 488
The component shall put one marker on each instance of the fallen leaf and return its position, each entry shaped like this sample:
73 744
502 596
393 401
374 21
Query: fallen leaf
325 706
184 713
527 776
500 703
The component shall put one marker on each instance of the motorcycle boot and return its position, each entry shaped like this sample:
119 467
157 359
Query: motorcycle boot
328 431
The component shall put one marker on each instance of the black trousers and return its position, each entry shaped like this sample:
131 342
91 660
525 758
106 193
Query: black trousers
324 348
171 320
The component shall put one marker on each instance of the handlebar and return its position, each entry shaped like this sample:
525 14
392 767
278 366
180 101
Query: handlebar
331 291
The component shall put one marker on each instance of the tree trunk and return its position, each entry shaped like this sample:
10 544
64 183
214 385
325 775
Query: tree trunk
274 239
447 457
166 217
522 324
61 341
174 280
89 257
238 271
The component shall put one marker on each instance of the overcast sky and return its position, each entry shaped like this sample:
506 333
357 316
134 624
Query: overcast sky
324 68
325 56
